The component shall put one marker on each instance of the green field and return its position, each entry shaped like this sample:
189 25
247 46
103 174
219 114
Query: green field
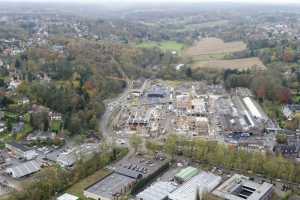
165 46
78 188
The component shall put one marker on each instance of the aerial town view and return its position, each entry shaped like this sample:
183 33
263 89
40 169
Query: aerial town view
149 100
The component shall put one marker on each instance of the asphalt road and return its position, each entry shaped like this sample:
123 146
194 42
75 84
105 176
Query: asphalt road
111 106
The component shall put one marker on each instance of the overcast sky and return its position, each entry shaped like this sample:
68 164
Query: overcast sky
161 1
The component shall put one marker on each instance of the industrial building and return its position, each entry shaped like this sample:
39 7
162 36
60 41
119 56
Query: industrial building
157 191
240 114
110 188
239 187
67 196
254 109
23 169
21 151
204 181
66 159
186 174
125 174
157 94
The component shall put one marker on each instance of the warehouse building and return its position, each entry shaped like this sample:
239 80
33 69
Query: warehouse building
204 181
255 109
239 187
21 151
125 174
110 188
67 196
157 191
186 174
66 159
157 92
24 169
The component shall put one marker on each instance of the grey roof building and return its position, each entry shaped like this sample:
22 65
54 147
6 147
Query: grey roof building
24 169
157 191
239 187
204 181
67 196
134 172
21 151
109 188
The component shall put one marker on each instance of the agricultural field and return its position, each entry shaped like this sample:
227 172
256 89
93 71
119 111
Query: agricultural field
165 45
210 24
241 64
212 52
212 46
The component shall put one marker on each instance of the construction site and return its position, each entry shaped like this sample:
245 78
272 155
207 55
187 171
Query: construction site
192 109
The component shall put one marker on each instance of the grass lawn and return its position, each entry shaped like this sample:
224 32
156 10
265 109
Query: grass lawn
78 188
165 45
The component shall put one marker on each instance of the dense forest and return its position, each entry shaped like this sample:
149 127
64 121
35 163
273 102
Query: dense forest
77 81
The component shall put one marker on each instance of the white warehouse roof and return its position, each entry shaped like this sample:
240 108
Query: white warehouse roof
24 169
204 181
157 191
252 108
67 196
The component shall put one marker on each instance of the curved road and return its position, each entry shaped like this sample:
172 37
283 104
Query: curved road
112 105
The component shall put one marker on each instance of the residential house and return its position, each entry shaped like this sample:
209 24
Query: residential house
55 116
290 110
41 136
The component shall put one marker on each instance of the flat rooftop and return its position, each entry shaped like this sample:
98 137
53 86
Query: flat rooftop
24 169
204 181
67 196
157 191
110 186
239 187
135 166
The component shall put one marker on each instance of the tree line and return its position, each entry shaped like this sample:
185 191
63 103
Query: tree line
224 156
